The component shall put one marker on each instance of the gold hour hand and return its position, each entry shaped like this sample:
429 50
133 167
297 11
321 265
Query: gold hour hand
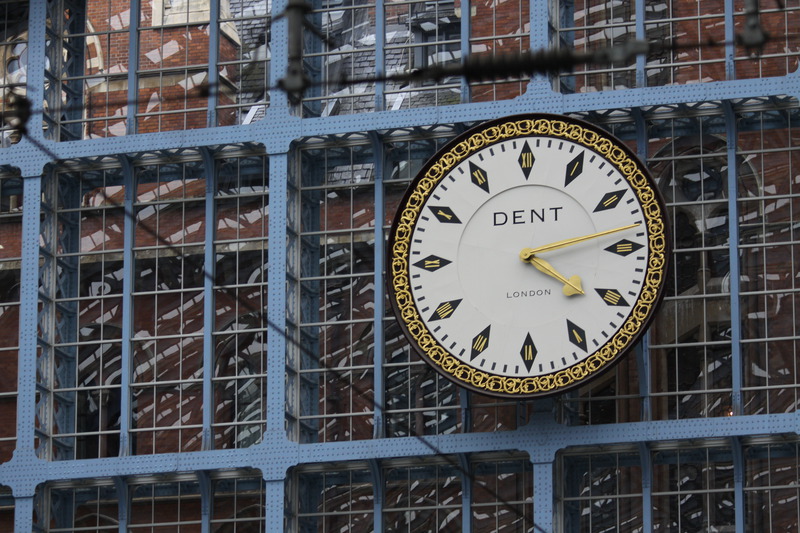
572 286
527 253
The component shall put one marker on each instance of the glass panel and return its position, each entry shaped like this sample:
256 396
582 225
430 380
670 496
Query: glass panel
588 25
13 65
244 60
768 252
93 508
690 339
336 293
241 271
173 65
168 306
334 500
344 51
427 496
693 489
496 32
422 34
11 224
778 57
602 492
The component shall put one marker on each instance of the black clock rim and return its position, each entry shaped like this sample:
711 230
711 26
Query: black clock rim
635 339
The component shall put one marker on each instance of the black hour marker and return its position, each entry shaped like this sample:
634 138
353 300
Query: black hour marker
478 176
577 335
480 343
609 200
432 263
526 160
528 352
444 214
624 247
445 310
574 169
612 297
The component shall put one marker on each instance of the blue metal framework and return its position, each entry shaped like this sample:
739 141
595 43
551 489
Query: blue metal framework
274 469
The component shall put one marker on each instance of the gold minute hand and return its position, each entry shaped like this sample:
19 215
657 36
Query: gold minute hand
527 253
572 286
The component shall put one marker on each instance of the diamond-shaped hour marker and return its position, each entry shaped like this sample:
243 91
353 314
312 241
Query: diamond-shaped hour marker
577 335
478 176
526 160
574 169
432 263
480 343
612 297
444 214
624 247
528 352
445 310
609 200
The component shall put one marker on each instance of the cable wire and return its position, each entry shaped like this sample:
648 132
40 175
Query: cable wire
248 306
474 68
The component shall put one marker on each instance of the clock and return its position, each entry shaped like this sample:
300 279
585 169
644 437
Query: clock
528 255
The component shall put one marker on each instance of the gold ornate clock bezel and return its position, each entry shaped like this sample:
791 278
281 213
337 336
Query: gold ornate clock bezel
643 310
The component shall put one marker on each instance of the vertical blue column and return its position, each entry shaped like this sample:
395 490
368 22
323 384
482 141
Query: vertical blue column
206 506
540 25
540 17
641 59
29 261
279 61
466 493
28 318
647 486
380 54
643 349
466 31
209 315
126 356
276 292
730 38
738 485
133 66
379 401
24 489
731 133
378 494
543 496
213 59
26 383
273 506
733 259
23 513
123 503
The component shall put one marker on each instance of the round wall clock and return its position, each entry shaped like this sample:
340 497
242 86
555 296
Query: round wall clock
528 255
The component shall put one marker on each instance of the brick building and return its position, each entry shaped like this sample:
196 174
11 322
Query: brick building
194 327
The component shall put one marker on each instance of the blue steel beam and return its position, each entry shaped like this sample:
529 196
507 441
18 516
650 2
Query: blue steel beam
133 69
126 352
379 392
541 440
209 314
731 138
380 54
276 295
279 128
24 454
213 69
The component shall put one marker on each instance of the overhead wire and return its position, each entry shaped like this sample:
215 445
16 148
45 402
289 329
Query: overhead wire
473 68
270 325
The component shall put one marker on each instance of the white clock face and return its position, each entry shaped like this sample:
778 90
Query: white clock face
532 262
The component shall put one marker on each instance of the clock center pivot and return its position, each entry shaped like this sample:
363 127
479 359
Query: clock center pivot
491 275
